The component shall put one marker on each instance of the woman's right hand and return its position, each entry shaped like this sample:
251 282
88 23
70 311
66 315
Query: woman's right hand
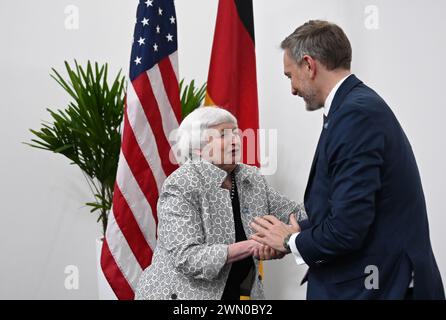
240 250
262 252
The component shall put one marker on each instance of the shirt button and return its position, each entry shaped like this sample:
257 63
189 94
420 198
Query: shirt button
173 296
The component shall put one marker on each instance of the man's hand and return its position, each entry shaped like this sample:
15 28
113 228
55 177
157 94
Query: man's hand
271 231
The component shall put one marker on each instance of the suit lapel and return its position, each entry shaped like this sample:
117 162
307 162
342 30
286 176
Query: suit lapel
342 92
339 97
313 167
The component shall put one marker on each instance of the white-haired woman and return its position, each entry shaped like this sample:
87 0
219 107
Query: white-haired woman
204 213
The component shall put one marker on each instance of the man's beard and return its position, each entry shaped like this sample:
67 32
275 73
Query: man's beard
310 99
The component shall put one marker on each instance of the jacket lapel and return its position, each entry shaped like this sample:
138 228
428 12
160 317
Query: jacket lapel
342 92
339 97
313 168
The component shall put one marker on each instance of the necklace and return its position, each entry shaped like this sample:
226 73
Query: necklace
232 186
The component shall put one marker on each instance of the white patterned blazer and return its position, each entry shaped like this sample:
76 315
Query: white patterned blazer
196 225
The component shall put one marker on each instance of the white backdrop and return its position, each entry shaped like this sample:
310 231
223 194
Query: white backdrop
398 49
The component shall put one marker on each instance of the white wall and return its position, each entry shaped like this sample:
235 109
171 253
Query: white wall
44 225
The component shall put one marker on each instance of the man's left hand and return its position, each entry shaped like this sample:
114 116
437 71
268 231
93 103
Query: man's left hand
271 231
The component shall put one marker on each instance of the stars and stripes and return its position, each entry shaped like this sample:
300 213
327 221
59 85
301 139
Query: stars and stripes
152 111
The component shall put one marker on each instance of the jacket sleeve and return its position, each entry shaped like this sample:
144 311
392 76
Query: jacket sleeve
281 207
181 233
354 149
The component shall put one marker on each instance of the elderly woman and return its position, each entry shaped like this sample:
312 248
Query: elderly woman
204 213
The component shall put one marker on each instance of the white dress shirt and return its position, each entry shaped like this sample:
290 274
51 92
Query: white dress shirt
327 105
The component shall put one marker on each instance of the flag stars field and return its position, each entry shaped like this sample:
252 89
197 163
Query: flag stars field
145 22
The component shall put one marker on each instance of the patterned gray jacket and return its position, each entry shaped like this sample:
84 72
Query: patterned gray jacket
196 225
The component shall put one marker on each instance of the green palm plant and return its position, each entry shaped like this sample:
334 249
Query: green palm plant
88 130
191 97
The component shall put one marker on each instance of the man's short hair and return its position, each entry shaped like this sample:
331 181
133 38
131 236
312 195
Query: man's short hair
321 40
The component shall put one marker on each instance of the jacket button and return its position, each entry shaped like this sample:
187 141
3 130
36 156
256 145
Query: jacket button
260 277
173 296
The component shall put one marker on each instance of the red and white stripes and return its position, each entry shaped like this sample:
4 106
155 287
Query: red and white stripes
152 111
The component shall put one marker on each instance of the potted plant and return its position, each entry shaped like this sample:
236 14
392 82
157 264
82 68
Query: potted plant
88 130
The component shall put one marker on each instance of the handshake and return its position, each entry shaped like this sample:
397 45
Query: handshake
270 241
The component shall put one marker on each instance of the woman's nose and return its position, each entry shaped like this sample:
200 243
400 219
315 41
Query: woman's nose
235 139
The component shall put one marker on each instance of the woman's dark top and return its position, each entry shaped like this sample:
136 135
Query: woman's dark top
239 269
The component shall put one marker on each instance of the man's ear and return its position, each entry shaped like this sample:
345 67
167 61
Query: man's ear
310 65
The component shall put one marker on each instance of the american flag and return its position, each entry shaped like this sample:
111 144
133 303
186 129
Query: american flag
152 111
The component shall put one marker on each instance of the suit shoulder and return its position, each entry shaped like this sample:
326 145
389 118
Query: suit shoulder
364 99
185 178
362 114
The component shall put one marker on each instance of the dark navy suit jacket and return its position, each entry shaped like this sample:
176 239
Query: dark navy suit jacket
367 214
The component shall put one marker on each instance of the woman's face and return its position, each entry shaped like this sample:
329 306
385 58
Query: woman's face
223 145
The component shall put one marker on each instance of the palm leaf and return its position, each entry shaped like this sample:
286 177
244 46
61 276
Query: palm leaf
87 130
191 97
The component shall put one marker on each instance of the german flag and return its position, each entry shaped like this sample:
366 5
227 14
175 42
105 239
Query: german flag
232 79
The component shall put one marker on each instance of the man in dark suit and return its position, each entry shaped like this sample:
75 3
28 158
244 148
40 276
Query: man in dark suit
367 236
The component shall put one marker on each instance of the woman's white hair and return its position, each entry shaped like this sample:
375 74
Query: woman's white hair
191 135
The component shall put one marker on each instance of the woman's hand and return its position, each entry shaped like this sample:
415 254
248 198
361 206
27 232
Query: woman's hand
262 252
240 250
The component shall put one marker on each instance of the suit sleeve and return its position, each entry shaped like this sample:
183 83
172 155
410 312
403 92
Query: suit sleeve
181 233
354 149
281 207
